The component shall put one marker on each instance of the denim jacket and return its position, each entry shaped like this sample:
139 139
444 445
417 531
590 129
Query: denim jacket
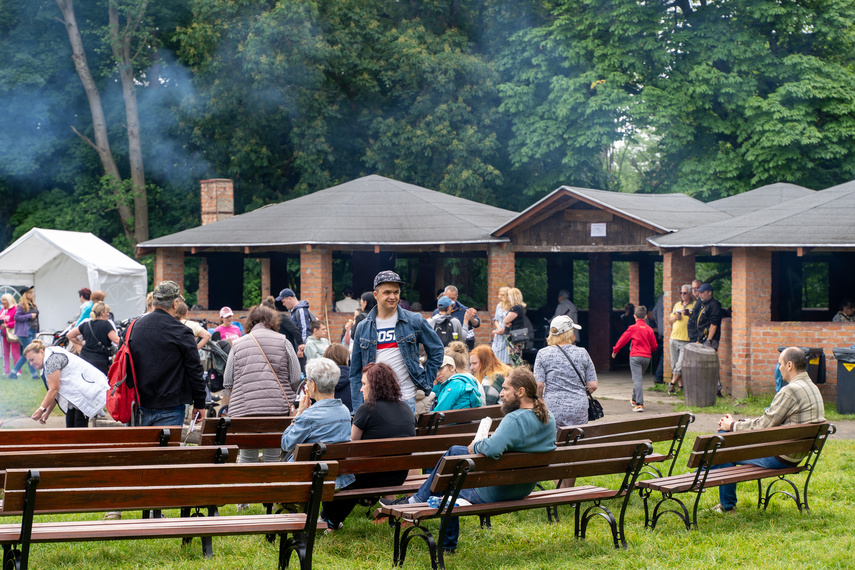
325 421
410 331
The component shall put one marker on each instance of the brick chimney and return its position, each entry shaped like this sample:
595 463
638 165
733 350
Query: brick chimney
218 200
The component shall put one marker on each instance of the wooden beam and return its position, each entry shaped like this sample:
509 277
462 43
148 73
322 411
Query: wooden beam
719 250
687 251
578 248
376 249
442 248
571 215
801 251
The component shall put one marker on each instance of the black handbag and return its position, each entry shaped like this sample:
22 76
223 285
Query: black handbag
518 336
595 409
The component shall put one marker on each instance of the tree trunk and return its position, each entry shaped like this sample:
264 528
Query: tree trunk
99 122
121 46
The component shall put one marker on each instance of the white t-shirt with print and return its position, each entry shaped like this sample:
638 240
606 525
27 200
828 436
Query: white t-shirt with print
389 353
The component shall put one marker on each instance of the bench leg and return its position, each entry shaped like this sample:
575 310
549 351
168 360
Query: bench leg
486 523
764 501
297 544
12 559
402 541
651 520
597 510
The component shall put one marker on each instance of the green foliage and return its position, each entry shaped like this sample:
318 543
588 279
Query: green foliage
531 280
815 288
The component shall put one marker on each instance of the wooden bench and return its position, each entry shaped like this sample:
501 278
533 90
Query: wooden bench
723 448
456 421
259 432
455 473
667 427
97 489
58 439
379 456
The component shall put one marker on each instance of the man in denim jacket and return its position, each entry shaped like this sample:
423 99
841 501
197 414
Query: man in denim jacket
392 335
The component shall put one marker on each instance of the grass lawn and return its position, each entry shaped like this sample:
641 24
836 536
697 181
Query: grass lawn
780 537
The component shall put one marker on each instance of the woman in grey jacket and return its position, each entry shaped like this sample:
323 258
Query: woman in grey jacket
263 374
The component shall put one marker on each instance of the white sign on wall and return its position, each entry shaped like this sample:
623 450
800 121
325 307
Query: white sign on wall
598 230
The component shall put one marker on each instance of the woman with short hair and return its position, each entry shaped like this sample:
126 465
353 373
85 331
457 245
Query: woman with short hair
565 374
76 386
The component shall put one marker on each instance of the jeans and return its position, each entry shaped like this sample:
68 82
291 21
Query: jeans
637 364
251 455
727 493
173 416
25 340
452 530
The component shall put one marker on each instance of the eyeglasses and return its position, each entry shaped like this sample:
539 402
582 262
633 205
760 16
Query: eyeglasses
684 292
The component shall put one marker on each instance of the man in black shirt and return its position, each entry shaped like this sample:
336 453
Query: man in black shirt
166 362
709 317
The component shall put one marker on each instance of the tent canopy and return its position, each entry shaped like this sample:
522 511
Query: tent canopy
58 263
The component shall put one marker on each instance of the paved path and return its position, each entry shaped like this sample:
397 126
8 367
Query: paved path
615 389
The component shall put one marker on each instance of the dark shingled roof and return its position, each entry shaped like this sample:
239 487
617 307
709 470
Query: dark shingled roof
372 210
663 212
760 198
820 219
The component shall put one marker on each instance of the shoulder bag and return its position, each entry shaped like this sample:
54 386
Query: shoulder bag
276 376
518 336
595 409
108 352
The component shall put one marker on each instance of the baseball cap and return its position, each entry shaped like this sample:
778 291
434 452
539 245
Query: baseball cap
285 293
561 324
704 287
226 312
387 277
167 291
444 302
448 361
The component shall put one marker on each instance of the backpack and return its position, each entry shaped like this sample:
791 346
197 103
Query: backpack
122 395
445 331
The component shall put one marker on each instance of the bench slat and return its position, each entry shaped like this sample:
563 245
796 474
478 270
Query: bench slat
117 456
752 437
716 477
601 429
383 447
754 451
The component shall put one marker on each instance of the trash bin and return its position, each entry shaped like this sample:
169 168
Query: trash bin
700 375
845 380
815 363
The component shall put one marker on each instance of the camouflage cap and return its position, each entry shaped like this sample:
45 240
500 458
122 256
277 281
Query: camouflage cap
387 277
167 291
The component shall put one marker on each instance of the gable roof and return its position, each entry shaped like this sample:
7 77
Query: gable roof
819 219
659 212
760 198
373 210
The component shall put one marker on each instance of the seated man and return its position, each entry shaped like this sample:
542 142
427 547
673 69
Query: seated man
799 402
527 426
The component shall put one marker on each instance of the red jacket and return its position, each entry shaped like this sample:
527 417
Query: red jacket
642 337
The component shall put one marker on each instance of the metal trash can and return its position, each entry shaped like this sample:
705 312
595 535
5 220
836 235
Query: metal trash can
845 379
815 363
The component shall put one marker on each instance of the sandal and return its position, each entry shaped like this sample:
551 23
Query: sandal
671 388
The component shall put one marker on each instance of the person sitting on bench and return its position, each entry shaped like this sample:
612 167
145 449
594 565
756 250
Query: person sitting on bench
799 402
527 426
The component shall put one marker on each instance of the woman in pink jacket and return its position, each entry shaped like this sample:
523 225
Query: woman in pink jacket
7 321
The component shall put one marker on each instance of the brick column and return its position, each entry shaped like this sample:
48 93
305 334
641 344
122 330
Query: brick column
501 272
316 278
677 270
202 293
751 295
265 277
169 266
634 280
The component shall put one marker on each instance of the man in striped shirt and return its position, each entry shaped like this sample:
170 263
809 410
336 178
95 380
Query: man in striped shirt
799 402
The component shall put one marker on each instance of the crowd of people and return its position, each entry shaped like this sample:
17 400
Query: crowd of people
389 365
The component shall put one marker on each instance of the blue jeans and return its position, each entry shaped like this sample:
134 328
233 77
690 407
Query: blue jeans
727 493
452 530
25 340
161 416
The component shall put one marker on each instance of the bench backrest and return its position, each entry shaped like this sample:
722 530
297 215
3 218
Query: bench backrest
84 489
153 436
249 432
562 463
380 455
116 457
457 421
754 444
654 428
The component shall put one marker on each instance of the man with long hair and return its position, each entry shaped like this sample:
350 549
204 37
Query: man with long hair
527 426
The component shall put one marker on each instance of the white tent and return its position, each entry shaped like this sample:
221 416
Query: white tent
58 263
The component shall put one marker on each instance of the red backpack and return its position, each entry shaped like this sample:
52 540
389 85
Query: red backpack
122 395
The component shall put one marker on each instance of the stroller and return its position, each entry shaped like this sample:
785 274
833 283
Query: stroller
215 367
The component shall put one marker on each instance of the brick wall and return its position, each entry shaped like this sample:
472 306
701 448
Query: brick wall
316 277
634 278
767 336
169 266
265 278
202 293
725 350
677 270
501 272
218 202
751 301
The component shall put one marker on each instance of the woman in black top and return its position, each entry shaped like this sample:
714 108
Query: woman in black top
514 319
383 415
95 336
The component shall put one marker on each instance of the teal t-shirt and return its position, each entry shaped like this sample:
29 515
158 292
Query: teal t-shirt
521 430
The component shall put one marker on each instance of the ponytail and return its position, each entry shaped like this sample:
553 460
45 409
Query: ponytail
522 377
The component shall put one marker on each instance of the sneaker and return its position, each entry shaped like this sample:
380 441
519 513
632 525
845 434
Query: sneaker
13 376
632 402
113 516
331 528
721 510
638 408
390 502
